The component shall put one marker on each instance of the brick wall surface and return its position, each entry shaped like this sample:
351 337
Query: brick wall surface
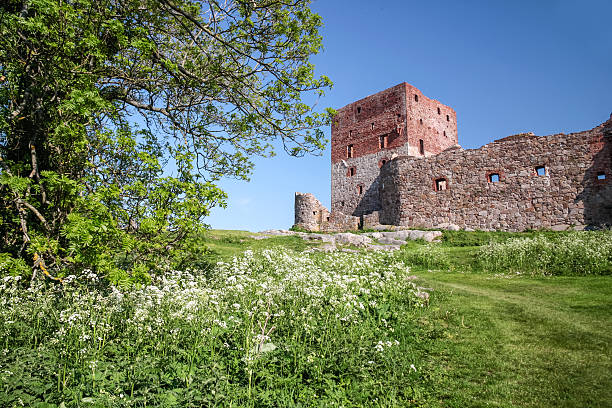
379 127
570 193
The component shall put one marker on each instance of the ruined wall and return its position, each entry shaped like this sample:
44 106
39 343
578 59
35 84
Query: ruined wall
575 188
369 132
310 214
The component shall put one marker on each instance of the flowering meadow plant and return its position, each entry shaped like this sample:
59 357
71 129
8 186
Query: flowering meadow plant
268 328
577 253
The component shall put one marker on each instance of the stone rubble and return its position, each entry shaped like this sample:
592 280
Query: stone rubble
375 241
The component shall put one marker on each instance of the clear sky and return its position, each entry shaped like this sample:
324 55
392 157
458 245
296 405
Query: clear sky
506 67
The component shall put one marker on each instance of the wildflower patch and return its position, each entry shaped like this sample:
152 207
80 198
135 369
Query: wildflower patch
299 324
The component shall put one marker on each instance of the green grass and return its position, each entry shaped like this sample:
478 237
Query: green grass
507 341
524 342
224 244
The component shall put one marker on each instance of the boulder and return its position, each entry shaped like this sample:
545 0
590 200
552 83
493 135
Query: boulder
347 238
391 241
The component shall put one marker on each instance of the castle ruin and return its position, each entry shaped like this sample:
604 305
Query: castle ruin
395 160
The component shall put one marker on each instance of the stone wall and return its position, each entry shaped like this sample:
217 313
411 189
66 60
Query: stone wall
377 128
310 214
498 187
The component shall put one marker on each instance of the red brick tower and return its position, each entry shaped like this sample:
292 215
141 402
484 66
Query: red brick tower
399 121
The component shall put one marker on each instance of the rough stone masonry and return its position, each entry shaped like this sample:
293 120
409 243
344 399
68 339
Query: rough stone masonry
395 160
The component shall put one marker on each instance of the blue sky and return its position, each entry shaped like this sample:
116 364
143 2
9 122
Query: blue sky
505 67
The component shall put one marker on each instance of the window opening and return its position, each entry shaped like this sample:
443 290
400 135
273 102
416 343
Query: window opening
342 204
601 175
494 178
372 126
540 170
359 190
439 112
445 133
352 171
416 98
441 184
382 141
421 147
327 218
359 109
447 118
314 213
349 151
421 121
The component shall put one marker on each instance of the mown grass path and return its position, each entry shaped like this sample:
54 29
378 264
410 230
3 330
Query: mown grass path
518 341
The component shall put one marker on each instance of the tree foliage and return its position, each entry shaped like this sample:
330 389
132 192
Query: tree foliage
117 118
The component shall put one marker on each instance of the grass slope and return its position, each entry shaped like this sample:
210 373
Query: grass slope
507 342
504 340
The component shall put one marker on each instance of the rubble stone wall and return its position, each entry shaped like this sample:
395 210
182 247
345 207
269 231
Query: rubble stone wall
575 188
310 214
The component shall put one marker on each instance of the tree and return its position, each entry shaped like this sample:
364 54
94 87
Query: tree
117 117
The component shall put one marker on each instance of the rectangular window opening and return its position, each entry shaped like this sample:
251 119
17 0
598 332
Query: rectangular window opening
372 126
441 184
349 151
447 118
445 133
439 111
383 141
359 109
416 98
494 178
359 190
314 213
421 121
540 170
421 147
352 171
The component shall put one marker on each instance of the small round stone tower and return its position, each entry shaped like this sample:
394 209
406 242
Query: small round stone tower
309 212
